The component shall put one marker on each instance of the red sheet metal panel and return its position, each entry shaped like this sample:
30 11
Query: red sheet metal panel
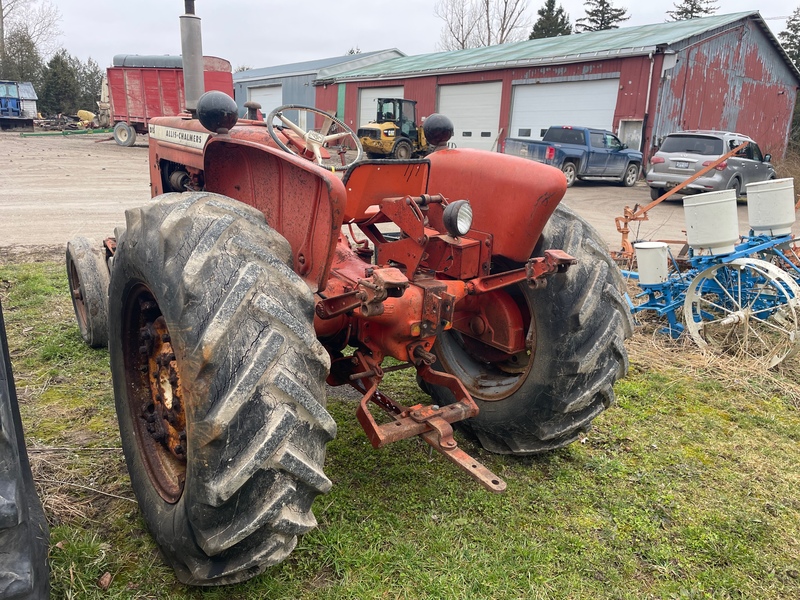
734 81
138 94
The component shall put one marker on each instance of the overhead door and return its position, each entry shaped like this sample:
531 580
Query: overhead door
368 101
537 106
474 109
268 96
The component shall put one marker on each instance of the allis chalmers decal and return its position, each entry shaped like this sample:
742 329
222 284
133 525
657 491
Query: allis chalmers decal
192 139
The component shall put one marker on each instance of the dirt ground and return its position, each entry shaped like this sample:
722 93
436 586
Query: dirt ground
53 188
56 187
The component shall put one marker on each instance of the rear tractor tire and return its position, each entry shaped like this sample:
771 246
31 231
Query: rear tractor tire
545 399
24 535
88 278
219 384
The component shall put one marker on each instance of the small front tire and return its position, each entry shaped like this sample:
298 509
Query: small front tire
88 279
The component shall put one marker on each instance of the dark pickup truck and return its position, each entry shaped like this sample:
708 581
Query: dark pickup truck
581 152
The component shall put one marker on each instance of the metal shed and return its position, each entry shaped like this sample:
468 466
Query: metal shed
27 100
724 72
294 83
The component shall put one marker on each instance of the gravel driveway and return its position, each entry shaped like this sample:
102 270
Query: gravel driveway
55 187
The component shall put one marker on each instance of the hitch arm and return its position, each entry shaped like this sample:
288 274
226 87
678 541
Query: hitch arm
431 423
534 272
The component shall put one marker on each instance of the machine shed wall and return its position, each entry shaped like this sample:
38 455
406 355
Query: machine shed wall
297 89
734 81
633 73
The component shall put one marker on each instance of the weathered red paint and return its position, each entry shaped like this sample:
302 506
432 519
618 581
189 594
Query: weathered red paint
137 94
419 285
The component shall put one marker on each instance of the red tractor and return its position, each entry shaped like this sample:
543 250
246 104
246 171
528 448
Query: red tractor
235 296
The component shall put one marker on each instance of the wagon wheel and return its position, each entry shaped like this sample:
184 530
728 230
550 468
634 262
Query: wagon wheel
334 146
748 308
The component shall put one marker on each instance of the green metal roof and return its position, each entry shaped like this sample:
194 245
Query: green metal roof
596 45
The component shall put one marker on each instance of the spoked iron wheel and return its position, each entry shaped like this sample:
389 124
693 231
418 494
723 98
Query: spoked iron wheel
155 401
747 308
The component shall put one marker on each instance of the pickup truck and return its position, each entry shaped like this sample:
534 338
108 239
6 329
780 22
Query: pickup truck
581 152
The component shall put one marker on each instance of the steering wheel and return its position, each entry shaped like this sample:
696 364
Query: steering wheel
333 146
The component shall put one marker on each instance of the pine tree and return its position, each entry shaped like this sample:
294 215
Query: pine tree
60 88
692 9
600 15
552 22
790 37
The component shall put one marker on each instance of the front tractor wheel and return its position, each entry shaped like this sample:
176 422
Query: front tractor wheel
88 278
218 384
545 398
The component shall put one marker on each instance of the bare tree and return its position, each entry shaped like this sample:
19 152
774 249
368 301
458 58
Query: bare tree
476 23
38 20
460 20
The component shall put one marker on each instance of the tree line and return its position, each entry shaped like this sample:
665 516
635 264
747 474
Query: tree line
29 51
477 23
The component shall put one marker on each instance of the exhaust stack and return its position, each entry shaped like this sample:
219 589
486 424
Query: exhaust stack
192 52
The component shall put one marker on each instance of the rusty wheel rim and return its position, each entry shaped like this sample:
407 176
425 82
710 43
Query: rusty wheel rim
488 374
154 394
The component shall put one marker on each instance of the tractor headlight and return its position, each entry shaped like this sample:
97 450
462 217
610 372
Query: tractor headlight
458 218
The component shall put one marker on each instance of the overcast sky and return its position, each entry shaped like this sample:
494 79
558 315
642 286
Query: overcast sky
260 33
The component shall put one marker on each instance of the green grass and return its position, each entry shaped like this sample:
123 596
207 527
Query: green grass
686 489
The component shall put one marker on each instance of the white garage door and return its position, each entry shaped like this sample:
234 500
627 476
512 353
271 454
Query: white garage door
268 96
367 101
474 109
537 106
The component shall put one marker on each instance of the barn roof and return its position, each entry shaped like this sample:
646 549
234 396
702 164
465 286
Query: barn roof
595 45
322 65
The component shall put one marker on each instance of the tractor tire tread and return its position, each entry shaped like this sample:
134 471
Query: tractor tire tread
260 426
582 322
89 260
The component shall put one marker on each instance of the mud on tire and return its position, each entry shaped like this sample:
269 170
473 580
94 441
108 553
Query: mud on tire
226 491
580 321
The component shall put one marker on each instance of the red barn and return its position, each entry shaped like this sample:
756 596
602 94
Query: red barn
724 72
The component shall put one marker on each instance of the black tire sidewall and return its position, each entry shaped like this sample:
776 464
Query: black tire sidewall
87 257
167 522
569 167
557 388
234 256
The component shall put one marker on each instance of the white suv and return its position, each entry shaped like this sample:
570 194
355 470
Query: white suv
683 154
